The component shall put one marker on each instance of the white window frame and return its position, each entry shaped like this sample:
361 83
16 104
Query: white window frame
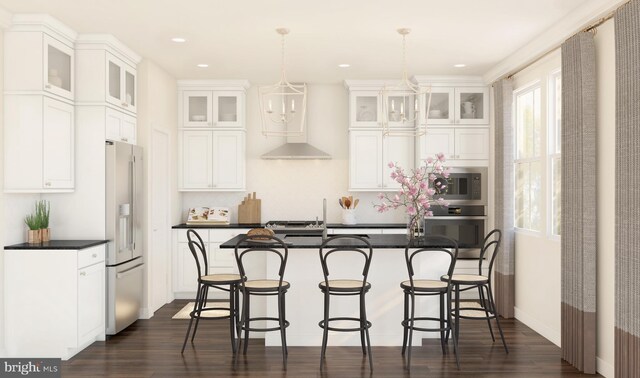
551 147
532 86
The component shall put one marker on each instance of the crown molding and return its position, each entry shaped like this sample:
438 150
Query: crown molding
553 37
93 41
449 79
44 23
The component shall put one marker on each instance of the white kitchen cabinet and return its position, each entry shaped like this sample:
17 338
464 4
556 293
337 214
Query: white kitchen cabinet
120 126
121 84
207 108
91 307
459 145
369 155
221 261
69 300
365 159
459 106
364 108
213 160
39 144
36 62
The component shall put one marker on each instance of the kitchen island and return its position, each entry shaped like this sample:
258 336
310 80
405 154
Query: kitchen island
384 301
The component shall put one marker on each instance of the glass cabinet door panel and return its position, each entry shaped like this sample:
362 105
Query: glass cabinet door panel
130 88
472 105
197 108
59 72
364 108
227 108
440 110
58 68
401 111
115 72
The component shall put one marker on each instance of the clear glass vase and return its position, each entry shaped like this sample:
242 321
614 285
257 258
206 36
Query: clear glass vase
415 227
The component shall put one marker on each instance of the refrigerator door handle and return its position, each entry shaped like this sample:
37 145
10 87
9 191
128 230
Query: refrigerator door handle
132 225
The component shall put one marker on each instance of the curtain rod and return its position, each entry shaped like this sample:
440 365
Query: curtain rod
591 28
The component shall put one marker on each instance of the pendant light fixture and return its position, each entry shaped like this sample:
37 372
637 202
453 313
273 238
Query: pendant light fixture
283 105
405 106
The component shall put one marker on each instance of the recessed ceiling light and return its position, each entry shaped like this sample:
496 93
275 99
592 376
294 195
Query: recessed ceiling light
203 65
178 40
344 65
459 65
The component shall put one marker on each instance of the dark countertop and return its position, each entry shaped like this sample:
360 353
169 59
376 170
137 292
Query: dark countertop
314 242
58 244
222 226
329 225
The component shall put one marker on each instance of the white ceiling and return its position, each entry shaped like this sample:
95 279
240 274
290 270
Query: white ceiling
237 38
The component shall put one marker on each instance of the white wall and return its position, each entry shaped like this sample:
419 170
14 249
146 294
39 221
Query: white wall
294 189
157 111
538 257
605 66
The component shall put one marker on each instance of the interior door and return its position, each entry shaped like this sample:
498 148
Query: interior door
158 261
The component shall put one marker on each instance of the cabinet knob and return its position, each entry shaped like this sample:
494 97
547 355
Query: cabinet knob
125 104
48 86
94 255
48 183
83 273
124 139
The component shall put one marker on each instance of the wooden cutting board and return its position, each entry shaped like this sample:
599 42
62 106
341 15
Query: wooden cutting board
249 210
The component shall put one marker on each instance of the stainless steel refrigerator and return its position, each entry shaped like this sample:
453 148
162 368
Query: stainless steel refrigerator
124 232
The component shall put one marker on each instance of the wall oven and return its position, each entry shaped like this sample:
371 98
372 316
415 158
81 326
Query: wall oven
463 223
464 185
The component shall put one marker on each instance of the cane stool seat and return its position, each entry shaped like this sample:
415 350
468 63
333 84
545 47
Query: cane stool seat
425 285
265 285
470 279
221 279
344 285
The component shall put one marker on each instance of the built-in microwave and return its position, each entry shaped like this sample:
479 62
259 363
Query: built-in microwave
464 185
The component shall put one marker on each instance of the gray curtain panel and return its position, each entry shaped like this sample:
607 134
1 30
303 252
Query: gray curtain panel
578 223
627 191
504 198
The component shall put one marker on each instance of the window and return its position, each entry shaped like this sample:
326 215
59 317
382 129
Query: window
528 172
555 114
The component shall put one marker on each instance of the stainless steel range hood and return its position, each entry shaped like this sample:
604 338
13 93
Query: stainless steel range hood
297 148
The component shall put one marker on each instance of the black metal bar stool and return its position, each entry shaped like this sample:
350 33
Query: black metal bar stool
482 283
346 287
224 282
263 287
429 287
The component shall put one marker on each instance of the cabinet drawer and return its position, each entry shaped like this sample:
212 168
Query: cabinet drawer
221 236
182 235
90 256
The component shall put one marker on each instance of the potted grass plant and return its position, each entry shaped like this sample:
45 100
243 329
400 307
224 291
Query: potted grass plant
34 234
43 209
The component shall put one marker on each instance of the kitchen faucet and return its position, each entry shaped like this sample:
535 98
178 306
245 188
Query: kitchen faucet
324 218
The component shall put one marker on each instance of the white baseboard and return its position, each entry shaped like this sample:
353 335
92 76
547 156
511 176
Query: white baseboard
538 326
604 368
145 314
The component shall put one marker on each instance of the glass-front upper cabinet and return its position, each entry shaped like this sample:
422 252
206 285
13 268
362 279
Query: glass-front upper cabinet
58 67
365 108
212 109
227 108
440 110
121 84
472 105
197 111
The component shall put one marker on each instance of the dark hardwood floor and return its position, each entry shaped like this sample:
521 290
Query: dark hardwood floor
151 348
